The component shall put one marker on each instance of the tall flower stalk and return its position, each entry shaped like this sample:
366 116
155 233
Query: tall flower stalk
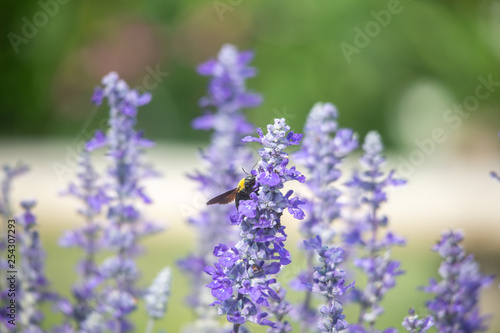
125 224
328 281
454 307
157 296
27 286
244 273
33 283
324 147
93 198
366 234
222 159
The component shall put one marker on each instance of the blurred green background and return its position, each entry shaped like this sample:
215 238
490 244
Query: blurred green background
48 76
401 79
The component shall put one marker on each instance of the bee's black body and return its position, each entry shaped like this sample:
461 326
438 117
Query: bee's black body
244 193
241 192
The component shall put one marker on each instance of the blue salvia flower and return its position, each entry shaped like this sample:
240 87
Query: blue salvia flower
223 160
324 147
125 224
413 324
365 232
244 273
156 297
455 304
279 308
10 173
89 238
32 289
328 281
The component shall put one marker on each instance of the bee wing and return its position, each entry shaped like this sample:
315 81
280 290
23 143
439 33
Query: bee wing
224 198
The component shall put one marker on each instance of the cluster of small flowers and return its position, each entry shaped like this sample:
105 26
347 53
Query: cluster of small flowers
31 287
279 308
323 149
107 293
414 325
364 232
89 239
328 281
33 284
243 275
455 304
243 280
227 94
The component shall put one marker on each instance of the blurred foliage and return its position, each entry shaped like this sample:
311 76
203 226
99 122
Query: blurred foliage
47 84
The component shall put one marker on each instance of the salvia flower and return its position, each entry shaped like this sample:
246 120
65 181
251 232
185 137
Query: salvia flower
365 233
279 308
222 160
244 273
10 173
33 285
324 147
227 89
328 281
93 199
413 324
455 304
122 191
157 296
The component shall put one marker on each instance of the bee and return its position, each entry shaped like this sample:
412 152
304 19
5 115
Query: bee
257 270
241 192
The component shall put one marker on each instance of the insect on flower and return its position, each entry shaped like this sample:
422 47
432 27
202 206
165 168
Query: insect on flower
241 192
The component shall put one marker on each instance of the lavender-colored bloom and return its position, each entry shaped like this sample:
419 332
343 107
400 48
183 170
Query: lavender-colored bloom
223 160
243 276
110 289
415 325
10 173
455 305
365 232
279 308
227 89
328 281
157 296
32 288
93 199
324 147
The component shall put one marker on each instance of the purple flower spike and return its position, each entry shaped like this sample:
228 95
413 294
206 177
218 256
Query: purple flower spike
455 306
227 90
328 281
415 325
32 290
157 296
324 148
106 294
364 233
223 160
26 277
248 277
